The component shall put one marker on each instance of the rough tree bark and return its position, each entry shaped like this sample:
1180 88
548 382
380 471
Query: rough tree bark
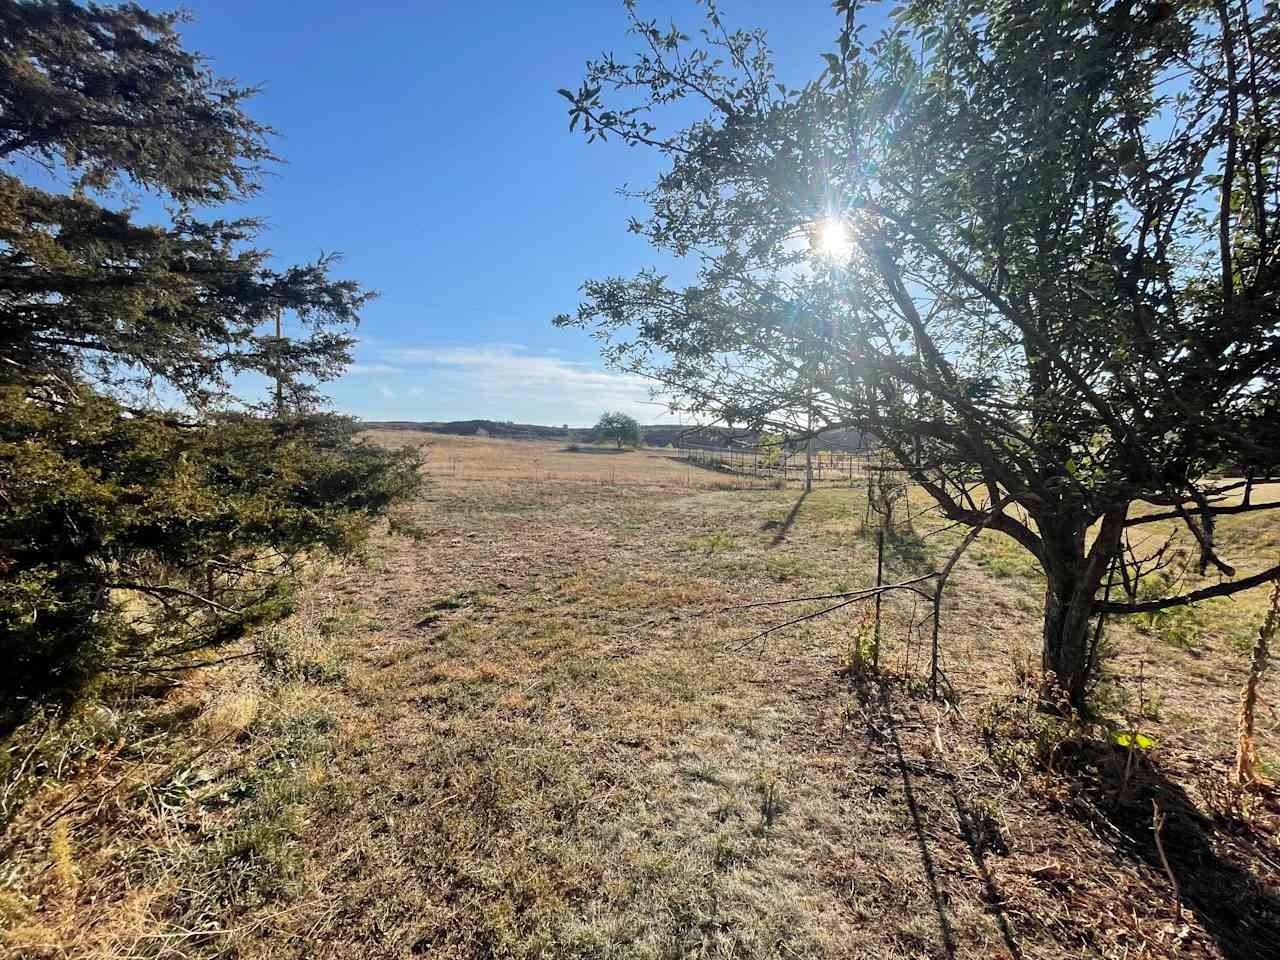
1073 576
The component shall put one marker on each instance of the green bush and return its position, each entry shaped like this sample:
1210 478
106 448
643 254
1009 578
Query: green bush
113 528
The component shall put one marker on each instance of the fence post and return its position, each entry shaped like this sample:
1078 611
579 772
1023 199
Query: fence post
933 663
875 650
866 513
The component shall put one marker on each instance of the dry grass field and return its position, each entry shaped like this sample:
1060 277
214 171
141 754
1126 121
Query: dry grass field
544 730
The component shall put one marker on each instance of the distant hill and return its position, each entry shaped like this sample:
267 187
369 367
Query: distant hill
655 435
504 429
725 438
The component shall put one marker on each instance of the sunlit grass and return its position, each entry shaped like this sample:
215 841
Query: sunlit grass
540 731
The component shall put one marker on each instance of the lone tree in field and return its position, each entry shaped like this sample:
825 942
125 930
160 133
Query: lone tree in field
1033 249
145 511
619 429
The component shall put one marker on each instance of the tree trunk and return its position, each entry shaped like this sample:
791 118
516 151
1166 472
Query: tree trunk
1066 637
1073 576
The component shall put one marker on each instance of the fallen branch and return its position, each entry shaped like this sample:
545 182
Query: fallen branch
1157 824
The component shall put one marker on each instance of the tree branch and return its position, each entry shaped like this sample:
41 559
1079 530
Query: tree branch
1215 511
1219 590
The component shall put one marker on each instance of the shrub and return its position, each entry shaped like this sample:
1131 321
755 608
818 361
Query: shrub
129 541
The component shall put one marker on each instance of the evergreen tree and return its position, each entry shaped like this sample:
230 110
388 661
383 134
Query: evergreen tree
147 510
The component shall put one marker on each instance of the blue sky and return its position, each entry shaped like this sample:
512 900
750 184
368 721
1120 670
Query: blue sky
427 143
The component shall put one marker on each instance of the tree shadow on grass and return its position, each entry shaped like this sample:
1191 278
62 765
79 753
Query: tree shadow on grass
875 692
907 547
607 451
981 837
1213 861
1208 861
785 526
922 842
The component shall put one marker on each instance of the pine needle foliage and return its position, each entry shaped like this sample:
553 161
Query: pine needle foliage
148 508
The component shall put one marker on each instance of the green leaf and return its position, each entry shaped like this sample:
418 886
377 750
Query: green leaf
1123 738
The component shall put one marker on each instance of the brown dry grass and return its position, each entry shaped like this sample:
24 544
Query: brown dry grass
537 732
460 459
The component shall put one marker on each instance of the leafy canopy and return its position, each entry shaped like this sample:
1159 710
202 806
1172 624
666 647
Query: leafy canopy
618 428
1032 248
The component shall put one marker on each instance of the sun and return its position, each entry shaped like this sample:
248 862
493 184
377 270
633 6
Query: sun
831 239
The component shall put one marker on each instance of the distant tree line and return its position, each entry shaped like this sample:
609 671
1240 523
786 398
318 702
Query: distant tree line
652 435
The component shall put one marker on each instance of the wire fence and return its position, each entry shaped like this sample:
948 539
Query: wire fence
782 466
745 468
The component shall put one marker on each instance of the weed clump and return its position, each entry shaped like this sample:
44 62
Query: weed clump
300 652
859 654
230 716
62 859
1031 729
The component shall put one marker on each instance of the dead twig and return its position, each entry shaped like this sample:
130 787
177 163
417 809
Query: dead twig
1157 824
851 594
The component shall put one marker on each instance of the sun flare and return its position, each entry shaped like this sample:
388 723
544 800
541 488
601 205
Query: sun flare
832 240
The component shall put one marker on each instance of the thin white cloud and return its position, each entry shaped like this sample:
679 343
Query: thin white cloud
505 381
373 370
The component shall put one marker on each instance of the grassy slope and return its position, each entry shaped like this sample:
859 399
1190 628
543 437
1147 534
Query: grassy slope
539 733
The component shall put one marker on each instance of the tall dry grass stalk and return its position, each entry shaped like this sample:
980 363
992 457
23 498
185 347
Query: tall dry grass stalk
1246 749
